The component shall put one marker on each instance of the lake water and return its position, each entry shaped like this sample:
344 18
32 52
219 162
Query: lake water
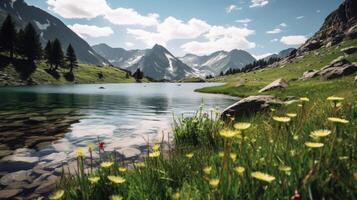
61 118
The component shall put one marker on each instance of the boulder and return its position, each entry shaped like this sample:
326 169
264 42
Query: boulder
19 176
349 50
351 33
129 152
279 83
310 74
9 193
18 161
251 105
335 72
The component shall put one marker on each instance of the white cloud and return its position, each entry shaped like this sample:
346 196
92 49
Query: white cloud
129 44
274 31
171 29
283 24
293 39
258 57
274 40
221 38
318 11
299 17
93 8
258 3
91 31
232 8
244 21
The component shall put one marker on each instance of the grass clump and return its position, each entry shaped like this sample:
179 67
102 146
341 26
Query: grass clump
301 151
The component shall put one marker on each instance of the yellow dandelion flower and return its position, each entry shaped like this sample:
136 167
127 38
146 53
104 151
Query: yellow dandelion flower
338 120
240 170
90 146
79 152
292 115
233 156
106 164
334 98
139 164
207 170
122 169
156 147
314 144
154 154
242 125
189 155
116 197
228 133
263 177
285 168
57 195
304 99
176 196
221 154
116 179
320 133
282 119
214 182
94 179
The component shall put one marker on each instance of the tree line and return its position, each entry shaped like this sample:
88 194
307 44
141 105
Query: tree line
25 43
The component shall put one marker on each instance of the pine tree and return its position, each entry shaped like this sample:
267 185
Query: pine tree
48 53
138 75
8 36
32 46
19 45
71 58
57 54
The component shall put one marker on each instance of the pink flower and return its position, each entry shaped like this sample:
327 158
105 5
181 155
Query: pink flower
296 196
101 145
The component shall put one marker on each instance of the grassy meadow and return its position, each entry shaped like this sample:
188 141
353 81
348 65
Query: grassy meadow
304 150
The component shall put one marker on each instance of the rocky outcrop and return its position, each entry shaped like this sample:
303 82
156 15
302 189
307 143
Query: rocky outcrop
279 83
337 68
349 50
339 25
251 105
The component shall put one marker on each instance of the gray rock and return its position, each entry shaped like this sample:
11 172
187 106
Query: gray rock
17 162
55 157
9 193
279 83
349 50
129 152
310 74
335 72
10 178
46 187
251 105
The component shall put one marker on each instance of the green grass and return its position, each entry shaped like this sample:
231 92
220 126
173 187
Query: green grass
250 83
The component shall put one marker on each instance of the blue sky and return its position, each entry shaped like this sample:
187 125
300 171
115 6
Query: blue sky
193 26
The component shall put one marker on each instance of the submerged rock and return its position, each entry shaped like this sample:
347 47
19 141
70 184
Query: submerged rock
251 105
11 178
279 83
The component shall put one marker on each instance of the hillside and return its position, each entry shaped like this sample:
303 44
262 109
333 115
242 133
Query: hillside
14 74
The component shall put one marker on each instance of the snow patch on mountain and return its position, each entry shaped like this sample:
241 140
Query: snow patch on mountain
42 27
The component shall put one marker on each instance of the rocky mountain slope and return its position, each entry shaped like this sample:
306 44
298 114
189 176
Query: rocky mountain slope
218 62
282 54
49 27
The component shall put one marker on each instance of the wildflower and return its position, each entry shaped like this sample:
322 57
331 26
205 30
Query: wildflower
116 197
282 119
263 177
90 146
343 158
189 155
320 133
139 164
314 144
233 156
154 154
240 170
285 168
176 196
296 196
79 152
207 170
299 105
338 120
156 147
116 179
334 98
242 125
106 164
214 182
304 99
273 109
292 115
94 180
57 195
221 154
122 169
101 145
228 133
